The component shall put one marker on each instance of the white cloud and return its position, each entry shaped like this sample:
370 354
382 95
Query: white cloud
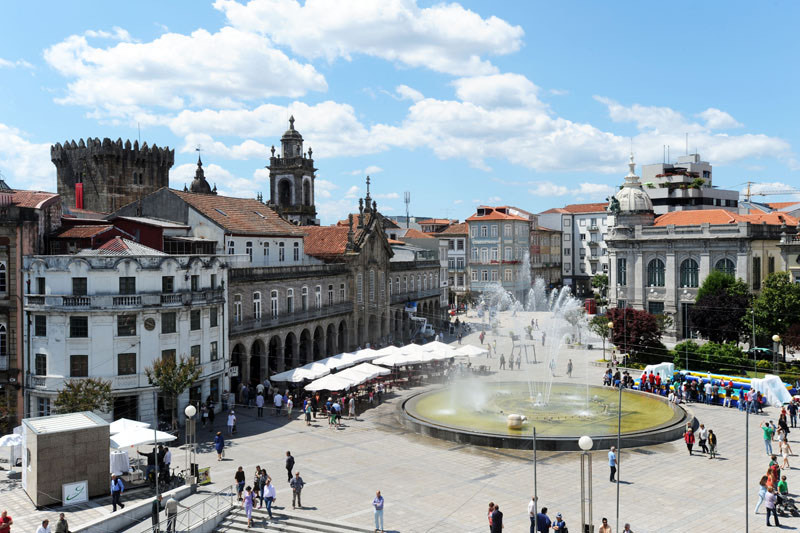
117 34
352 192
25 164
756 190
558 92
324 188
387 196
718 120
404 92
494 200
5 63
173 71
457 202
444 37
585 189
370 170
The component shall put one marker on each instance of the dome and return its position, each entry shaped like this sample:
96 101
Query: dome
632 198
199 183
291 133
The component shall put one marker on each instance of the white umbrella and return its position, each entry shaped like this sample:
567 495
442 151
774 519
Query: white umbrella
469 350
125 424
137 436
10 440
437 346
342 360
330 382
309 371
366 354
364 372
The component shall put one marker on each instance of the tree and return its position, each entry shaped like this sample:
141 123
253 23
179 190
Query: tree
720 307
777 307
172 378
600 282
89 394
575 316
637 332
791 339
599 326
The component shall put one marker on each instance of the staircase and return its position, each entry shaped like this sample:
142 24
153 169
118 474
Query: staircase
282 521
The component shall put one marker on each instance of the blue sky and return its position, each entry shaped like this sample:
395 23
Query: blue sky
533 104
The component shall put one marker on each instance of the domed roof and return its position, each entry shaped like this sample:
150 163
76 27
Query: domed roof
632 198
291 133
199 183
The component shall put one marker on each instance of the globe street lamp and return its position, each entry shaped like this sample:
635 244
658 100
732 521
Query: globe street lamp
189 411
610 326
776 339
585 443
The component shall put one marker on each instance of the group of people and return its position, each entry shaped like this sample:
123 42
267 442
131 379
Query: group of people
705 438
617 378
772 489
540 521
62 526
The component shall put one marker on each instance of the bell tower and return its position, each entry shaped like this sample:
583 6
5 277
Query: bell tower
291 180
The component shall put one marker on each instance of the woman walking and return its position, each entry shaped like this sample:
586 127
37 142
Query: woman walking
308 412
712 444
688 437
785 454
247 503
219 445
762 492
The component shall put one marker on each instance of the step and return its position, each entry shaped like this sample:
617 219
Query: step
286 522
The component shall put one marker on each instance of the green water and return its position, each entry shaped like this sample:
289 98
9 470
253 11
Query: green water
484 407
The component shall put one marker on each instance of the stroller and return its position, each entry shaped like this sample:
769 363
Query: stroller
785 506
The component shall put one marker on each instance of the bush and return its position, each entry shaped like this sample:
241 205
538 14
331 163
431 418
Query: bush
711 357
653 354
764 365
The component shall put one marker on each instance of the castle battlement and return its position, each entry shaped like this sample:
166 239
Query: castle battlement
107 148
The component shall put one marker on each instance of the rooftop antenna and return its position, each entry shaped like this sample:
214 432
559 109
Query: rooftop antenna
687 143
664 153
407 200
667 153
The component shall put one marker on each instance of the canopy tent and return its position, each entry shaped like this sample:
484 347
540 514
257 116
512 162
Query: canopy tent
312 370
366 354
411 354
342 360
469 351
137 436
389 350
364 371
330 382
437 346
125 424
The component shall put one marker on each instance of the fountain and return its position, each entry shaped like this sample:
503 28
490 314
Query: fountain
503 414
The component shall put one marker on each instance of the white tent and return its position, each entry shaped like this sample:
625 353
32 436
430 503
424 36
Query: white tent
366 354
309 371
364 372
137 436
437 346
409 355
125 424
389 350
342 360
330 382
469 350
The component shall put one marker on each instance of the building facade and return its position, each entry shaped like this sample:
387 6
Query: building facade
457 236
291 180
546 255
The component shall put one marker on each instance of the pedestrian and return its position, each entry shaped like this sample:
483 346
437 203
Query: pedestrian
289 465
768 433
247 503
277 401
532 507
171 509
793 413
117 488
569 368
289 405
543 522
712 444
204 414
559 524
612 463
308 411
762 492
489 516
497 520
262 486
270 494
377 503
297 487
688 437
259 405
155 512
231 422
502 362
543 334
352 406
605 528
5 522
62 526
770 499
238 477
219 445
784 448
627 528
702 435
482 336
519 361
44 528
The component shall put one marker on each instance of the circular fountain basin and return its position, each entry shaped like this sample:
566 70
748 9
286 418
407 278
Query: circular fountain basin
478 413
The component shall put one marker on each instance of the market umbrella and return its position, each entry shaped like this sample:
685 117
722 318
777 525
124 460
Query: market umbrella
469 350
363 372
125 424
437 346
330 382
309 371
137 436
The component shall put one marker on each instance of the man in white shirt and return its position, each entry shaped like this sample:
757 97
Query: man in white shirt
612 463
231 423
707 388
532 512
167 458
278 399
44 528
171 508
702 436
260 403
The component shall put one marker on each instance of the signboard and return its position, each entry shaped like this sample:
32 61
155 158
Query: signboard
204 476
72 493
234 371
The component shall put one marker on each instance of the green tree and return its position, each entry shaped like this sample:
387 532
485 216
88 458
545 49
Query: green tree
172 378
89 394
599 326
720 307
777 306
600 283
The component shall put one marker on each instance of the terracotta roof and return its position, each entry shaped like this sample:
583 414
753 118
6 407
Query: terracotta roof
325 241
579 208
412 233
392 241
122 246
456 229
83 232
437 221
243 216
494 215
782 205
34 199
721 216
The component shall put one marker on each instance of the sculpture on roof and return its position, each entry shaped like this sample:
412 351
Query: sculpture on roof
613 205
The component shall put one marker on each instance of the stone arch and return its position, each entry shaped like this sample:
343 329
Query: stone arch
384 326
373 330
257 363
290 353
330 340
275 362
285 192
360 332
305 350
342 338
319 343
238 356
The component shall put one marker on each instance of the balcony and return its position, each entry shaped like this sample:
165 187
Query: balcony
415 295
594 227
267 322
593 243
117 301
285 272
411 265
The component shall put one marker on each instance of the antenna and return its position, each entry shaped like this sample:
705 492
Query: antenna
407 200
687 143
667 153
664 154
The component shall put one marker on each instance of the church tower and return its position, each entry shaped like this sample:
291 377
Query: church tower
291 180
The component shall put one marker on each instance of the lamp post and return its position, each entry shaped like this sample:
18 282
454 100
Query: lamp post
190 411
585 443
776 339
610 326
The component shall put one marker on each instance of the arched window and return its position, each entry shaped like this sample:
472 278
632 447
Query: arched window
689 273
273 296
318 297
425 283
330 294
304 298
290 301
284 193
257 305
281 252
3 278
405 283
419 282
266 251
3 342
655 273
411 286
248 249
371 285
726 265
397 284
237 308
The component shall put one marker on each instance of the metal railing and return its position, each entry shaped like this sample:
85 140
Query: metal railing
267 321
108 301
199 513
285 272
415 295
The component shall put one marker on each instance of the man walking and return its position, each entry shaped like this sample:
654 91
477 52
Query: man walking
45 527
793 413
377 503
569 368
289 465
155 511
497 520
502 362
260 404
768 432
117 488
231 422
702 436
612 463
171 509
543 521
62 526
532 508
297 486
277 400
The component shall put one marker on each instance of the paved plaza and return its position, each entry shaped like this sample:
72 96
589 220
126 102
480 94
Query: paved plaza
437 486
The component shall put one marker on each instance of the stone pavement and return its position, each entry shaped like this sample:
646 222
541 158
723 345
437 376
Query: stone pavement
438 486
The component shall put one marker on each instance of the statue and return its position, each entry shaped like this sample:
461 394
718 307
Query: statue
613 205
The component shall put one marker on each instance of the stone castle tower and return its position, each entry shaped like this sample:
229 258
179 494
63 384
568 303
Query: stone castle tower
291 180
104 176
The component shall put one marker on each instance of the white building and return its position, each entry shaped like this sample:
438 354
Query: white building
109 313
583 228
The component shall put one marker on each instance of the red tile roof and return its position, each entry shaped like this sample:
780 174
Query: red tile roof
782 205
122 246
412 233
495 215
435 221
392 241
34 199
721 216
456 229
83 232
240 216
326 242
579 208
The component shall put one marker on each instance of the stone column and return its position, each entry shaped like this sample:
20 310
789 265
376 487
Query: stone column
671 282
636 277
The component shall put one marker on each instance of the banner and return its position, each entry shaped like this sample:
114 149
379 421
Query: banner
73 493
204 476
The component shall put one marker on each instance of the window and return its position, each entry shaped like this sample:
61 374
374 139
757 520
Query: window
343 293
567 251
568 237
622 304
371 285
756 273
79 286
3 278
127 285
126 364
484 231
231 247
40 366
689 271
78 326
194 319
494 230
281 252
460 244
474 231
655 308
237 308
495 275
169 322
248 249
567 267
382 285
622 271
771 264
583 268
290 301
474 254
424 283
567 222
41 286
474 275
213 317
304 298
273 304
42 406
167 284
727 266
266 251
459 262
257 305
484 255
411 285
194 283
508 253
213 284
78 366
451 263
451 244
507 230
405 283
582 222
168 355
330 294
508 275
213 351
126 325
484 275
194 353
296 251
494 254
655 273
40 325
318 297
582 253
360 288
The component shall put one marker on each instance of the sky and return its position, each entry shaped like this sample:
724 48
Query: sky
533 104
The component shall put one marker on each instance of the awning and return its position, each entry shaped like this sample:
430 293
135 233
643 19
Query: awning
126 424
137 436
331 382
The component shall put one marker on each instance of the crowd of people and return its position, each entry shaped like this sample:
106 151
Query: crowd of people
541 521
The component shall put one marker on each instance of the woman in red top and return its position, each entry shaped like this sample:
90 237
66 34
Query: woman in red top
491 508
688 437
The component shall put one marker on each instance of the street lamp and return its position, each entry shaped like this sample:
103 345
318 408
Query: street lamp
776 339
585 443
610 326
189 411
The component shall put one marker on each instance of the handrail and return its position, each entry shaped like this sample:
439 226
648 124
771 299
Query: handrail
202 511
